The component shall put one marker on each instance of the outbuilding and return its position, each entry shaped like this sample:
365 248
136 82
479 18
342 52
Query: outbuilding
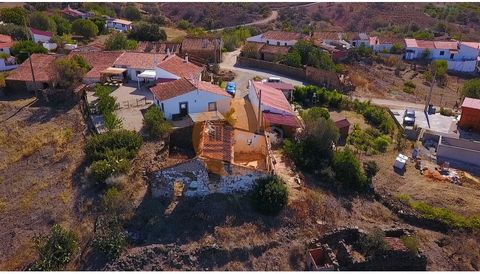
470 118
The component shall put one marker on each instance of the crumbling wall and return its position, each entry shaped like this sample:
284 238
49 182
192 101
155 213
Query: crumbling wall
197 181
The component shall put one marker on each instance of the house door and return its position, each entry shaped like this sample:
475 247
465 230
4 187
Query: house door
183 108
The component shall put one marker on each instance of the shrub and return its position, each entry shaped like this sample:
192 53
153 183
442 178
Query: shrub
155 123
102 169
183 24
411 243
373 244
346 161
270 195
446 112
110 239
101 146
119 41
315 113
371 168
112 121
107 104
472 88
55 249
114 202
381 143
85 27
20 47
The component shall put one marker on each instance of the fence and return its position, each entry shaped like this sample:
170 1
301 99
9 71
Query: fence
311 75
133 103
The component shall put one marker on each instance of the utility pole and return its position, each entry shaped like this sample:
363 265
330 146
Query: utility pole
429 98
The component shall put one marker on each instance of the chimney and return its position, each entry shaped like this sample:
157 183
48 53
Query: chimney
168 51
186 57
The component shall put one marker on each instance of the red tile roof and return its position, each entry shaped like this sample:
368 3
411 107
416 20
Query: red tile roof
139 60
43 68
273 49
171 89
279 119
158 47
281 35
41 32
202 85
99 60
326 35
339 120
180 67
5 41
471 103
391 40
273 97
199 44
451 45
428 44
72 12
280 85
216 141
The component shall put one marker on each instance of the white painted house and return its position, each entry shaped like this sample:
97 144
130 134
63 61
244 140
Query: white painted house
461 56
119 24
181 97
385 44
360 39
40 36
277 38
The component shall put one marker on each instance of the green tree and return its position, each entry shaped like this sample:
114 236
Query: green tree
132 13
112 121
63 26
315 113
346 161
119 41
55 249
471 88
292 59
143 31
41 21
19 48
100 23
119 143
18 33
70 70
270 195
396 49
15 15
62 40
183 24
155 123
371 168
440 67
85 27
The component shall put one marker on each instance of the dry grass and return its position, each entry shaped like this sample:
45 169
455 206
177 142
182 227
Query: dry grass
174 34
3 205
18 140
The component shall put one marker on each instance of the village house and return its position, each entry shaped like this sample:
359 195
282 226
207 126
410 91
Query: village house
73 14
158 47
276 37
183 96
21 78
119 24
286 88
98 60
360 39
470 118
330 38
40 36
6 62
6 42
382 44
272 109
461 56
342 123
208 49
272 53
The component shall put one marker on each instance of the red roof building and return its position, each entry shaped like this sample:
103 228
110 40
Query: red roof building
43 69
99 61
6 42
470 118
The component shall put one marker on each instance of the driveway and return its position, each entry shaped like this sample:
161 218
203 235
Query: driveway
132 101
244 74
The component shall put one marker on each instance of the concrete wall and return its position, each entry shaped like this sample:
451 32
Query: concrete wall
41 38
260 39
462 66
4 66
197 102
458 152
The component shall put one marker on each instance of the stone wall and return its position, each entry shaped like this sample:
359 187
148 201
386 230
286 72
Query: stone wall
195 180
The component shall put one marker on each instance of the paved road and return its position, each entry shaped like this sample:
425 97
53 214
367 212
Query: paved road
392 103
244 74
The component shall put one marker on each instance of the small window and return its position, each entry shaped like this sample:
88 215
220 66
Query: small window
163 110
285 44
442 53
268 41
452 55
212 106
278 43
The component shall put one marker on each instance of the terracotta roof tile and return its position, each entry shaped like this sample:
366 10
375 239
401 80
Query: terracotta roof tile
281 35
180 67
139 60
199 44
273 97
122 21
279 119
41 32
216 141
43 67
280 85
99 60
158 47
171 89
202 85
6 41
